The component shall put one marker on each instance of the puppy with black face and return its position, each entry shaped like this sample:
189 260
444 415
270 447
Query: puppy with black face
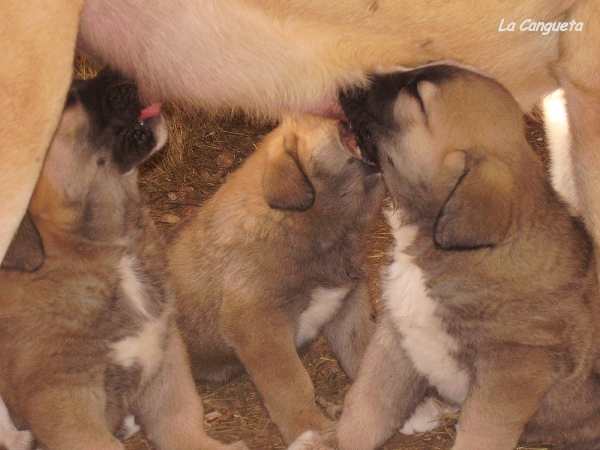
87 332
491 299
275 258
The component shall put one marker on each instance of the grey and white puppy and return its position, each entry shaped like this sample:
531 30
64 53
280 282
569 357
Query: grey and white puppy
87 331
492 296
275 258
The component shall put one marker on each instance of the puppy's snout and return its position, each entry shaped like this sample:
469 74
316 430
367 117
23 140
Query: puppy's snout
361 120
350 140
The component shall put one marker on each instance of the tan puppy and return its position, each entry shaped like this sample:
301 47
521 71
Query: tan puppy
89 336
272 56
275 257
491 298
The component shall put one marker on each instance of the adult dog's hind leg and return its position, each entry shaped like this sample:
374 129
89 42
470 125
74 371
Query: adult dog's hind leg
385 394
170 410
350 331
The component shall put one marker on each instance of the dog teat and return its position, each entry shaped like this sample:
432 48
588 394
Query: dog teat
150 111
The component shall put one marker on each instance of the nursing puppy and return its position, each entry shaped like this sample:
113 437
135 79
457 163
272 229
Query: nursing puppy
87 332
275 257
491 298
269 57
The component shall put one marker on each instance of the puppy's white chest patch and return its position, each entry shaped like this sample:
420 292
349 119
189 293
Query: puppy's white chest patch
132 286
424 337
145 347
324 304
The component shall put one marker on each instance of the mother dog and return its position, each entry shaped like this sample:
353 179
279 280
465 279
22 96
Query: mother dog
273 56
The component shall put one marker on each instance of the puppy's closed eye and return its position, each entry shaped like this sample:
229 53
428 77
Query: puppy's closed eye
427 91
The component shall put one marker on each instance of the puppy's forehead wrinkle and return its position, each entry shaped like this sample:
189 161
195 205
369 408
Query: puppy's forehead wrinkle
389 85
413 90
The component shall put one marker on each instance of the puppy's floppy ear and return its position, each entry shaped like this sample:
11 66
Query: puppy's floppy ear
285 184
26 251
478 212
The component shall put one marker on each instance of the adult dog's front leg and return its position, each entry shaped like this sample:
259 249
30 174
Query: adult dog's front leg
37 44
385 394
264 343
578 70
504 396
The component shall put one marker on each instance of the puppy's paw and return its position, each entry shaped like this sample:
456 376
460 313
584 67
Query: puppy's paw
15 440
239 445
128 428
426 417
312 440
333 411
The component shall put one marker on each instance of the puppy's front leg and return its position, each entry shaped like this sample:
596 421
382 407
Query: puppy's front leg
170 410
70 416
264 343
385 394
349 332
507 387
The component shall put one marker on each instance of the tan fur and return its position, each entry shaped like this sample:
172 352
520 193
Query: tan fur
89 336
37 41
492 296
268 57
272 259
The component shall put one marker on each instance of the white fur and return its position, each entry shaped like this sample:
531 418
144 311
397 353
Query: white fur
325 302
130 427
426 417
144 348
132 286
309 440
414 313
10 437
556 125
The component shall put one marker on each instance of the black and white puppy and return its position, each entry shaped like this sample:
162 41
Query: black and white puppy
492 296
87 330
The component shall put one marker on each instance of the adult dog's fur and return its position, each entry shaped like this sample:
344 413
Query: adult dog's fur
275 257
492 297
87 331
271 56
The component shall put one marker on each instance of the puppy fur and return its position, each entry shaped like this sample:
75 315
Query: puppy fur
491 298
275 257
87 330
285 55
